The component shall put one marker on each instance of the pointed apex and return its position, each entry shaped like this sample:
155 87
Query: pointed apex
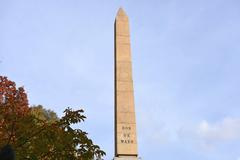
121 13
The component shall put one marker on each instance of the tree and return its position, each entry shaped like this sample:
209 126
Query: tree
44 114
13 107
36 133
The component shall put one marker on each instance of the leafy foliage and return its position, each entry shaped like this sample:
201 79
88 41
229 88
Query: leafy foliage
43 114
13 107
36 133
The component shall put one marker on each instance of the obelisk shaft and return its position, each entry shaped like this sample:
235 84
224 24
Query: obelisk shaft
125 123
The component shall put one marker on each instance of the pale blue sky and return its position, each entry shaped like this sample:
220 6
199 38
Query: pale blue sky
186 60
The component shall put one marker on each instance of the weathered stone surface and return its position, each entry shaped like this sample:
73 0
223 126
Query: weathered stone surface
125 123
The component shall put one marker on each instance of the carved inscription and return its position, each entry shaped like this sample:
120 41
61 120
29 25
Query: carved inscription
126 136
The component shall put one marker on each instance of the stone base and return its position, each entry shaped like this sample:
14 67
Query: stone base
125 158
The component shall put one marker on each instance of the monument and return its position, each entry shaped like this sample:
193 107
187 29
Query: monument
125 123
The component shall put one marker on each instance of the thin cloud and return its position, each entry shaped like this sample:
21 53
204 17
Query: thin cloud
207 136
226 129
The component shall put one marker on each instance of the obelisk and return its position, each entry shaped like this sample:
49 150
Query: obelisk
125 123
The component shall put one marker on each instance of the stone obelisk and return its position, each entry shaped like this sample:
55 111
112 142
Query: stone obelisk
125 123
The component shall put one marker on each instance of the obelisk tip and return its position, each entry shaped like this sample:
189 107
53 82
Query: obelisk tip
121 12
